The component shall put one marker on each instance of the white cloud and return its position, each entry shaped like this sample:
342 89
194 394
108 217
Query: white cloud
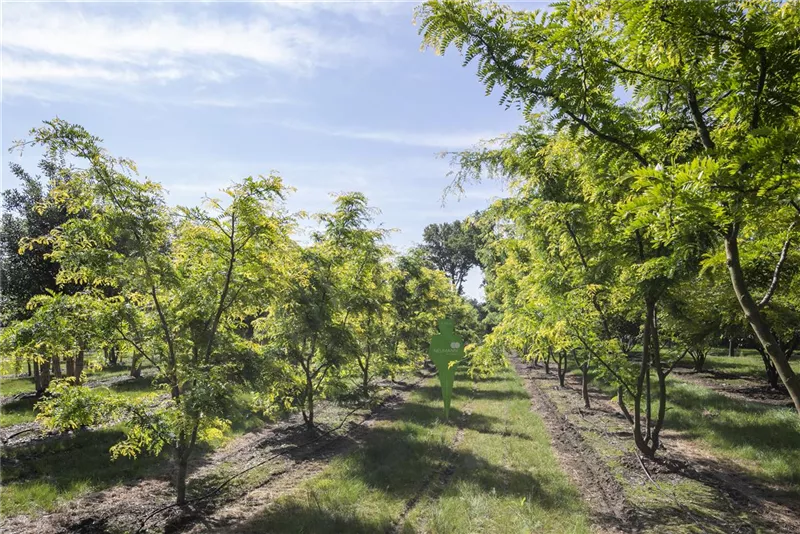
15 70
441 140
115 45
363 11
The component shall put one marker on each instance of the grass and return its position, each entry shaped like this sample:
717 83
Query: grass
40 477
22 410
764 440
15 386
746 363
18 411
501 476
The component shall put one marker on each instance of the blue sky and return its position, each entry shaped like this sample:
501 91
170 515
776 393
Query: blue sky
333 96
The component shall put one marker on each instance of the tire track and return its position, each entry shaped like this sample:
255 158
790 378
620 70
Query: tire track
428 489
585 467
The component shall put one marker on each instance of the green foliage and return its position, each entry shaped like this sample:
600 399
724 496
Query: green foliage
218 300
452 248
70 407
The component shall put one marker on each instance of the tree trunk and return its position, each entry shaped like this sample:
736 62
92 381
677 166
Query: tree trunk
308 413
561 362
71 366
621 404
365 378
753 314
310 419
136 369
585 384
662 388
731 347
547 361
641 439
180 480
113 357
37 378
769 367
698 358
79 365
56 366
30 373
42 373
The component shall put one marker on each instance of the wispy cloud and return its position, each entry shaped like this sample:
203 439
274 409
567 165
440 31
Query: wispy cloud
362 11
441 140
79 45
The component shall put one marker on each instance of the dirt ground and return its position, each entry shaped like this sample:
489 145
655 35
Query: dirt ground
275 460
691 490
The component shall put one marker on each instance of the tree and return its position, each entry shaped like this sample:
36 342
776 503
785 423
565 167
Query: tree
452 248
700 156
185 280
27 273
309 329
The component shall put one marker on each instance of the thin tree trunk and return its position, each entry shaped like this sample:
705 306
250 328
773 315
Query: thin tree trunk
30 373
731 347
585 384
71 366
621 404
180 481
366 379
642 439
662 387
79 365
547 360
136 369
561 362
753 314
37 378
310 420
56 366
769 368
44 377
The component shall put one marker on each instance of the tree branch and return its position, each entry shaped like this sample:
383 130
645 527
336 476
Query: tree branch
638 72
776 274
698 119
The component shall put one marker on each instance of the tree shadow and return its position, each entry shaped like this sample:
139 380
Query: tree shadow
73 460
434 392
293 516
400 465
141 384
762 431
23 404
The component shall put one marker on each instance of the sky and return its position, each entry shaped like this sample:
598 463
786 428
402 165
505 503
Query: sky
333 96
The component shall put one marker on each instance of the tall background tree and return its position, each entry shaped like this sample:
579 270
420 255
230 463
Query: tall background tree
452 248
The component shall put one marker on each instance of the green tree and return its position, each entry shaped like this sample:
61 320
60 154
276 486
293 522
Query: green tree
27 273
309 329
452 248
704 147
186 279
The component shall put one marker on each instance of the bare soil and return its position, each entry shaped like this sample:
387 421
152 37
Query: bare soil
686 489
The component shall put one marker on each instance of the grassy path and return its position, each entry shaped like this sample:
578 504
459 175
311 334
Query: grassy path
490 469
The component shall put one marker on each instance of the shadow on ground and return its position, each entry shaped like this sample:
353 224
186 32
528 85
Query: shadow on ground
398 465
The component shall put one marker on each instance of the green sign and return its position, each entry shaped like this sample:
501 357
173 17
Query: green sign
447 348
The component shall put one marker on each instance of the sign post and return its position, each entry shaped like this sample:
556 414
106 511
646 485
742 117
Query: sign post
446 349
